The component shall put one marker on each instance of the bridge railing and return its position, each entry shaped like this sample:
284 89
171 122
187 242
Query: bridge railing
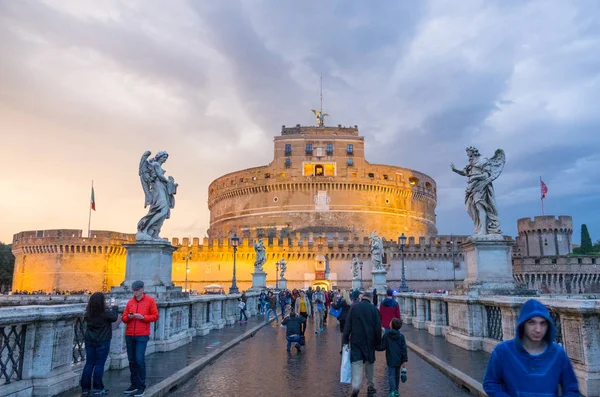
481 323
42 347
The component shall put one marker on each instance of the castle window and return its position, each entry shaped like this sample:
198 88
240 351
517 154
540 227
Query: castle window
319 170
350 162
253 178
413 181
428 186
267 176
282 174
387 201
385 177
329 149
288 162
371 175
39 234
350 149
275 199
288 149
241 180
309 148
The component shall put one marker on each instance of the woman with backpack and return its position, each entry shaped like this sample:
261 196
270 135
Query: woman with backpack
98 334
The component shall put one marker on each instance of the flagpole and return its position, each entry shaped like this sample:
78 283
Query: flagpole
542 195
90 215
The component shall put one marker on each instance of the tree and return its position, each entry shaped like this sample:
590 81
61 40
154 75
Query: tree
586 240
7 264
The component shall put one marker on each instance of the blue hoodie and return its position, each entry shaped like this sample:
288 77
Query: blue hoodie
512 372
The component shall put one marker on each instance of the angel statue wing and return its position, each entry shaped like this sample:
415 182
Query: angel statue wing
316 112
496 164
145 177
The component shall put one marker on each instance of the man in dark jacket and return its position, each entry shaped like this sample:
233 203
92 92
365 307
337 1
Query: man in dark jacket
363 332
293 330
388 310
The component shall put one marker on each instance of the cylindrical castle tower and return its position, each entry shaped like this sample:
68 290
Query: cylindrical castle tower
545 236
320 182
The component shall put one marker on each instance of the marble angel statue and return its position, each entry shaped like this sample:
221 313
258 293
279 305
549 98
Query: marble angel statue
261 257
355 264
283 268
376 252
159 194
480 199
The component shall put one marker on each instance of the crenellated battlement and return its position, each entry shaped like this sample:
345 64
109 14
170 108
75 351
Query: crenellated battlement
562 223
315 130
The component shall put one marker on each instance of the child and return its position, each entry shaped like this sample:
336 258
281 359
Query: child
394 345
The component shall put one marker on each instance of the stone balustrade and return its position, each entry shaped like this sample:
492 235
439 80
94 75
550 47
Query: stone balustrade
42 346
481 323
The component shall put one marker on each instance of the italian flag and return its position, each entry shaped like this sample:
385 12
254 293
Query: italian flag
93 201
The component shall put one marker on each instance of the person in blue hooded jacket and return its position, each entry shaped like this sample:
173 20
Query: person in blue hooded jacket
531 365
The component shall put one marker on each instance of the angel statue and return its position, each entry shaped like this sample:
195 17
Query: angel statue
479 197
320 117
160 196
261 256
376 252
355 264
283 268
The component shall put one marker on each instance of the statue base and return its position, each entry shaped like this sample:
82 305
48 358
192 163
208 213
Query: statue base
259 281
356 284
488 261
379 280
151 263
281 284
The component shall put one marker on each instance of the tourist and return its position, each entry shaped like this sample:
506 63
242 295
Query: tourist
293 332
319 307
396 356
262 299
388 310
140 311
375 297
531 363
98 334
302 307
283 298
363 332
342 302
327 306
309 295
242 305
271 307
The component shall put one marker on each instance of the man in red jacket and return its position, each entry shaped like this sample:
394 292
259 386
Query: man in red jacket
140 311
389 309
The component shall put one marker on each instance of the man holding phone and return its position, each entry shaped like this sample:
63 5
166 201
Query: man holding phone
140 311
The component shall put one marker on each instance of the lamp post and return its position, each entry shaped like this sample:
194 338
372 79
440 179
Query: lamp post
277 275
403 285
452 250
187 269
360 265
234 243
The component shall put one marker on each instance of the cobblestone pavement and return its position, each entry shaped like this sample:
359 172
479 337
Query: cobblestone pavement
260 366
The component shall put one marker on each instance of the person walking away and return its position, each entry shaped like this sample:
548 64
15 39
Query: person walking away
309 295
242 305
303 308
343 303
98 333
396 356
363 332
272 307
318 306
139 313
262 302
293 330
531 364
388 310
282 303
375 297
327 306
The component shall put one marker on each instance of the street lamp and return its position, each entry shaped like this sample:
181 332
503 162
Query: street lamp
403 286
234 243
360 265
453 251
187 269
277 275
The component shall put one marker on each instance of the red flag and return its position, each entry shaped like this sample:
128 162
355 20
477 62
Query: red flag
544 189
93 202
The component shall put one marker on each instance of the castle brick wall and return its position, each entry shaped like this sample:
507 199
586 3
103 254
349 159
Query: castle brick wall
544 236
559 274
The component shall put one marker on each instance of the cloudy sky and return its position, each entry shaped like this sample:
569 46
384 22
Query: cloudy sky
87 86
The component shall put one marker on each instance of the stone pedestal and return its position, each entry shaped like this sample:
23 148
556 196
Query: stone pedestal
281 284
259 281
356 284
379 280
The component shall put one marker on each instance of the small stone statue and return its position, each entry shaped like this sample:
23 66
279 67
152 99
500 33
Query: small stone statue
355 264
159 195
376 252
480 199
261 256
282 267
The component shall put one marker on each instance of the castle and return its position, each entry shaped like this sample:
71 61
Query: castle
315 205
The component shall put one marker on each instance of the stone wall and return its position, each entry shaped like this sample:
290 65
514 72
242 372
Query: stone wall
544 236
559 275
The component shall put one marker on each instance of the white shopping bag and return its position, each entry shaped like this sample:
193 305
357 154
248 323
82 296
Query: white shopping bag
346 368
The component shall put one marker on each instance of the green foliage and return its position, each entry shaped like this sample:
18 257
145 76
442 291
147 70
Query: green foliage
586 241
7 264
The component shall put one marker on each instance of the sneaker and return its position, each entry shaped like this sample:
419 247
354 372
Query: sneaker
140 392
322 329
132 389
101 392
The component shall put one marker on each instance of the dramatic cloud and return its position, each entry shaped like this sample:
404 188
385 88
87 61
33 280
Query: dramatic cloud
86 88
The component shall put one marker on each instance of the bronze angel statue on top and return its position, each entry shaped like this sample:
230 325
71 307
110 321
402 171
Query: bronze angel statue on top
159 195
480 199
320 117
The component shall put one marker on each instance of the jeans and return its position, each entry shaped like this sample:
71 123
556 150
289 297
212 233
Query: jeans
394 378
243 313
318 320
96 354
283 310
293 338
357 374
269 311
136 354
